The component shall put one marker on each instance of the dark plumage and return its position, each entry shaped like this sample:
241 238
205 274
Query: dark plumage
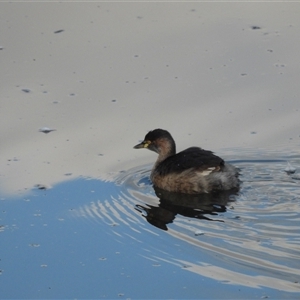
191 171
193 157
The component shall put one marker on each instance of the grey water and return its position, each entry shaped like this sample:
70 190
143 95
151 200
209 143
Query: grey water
121 239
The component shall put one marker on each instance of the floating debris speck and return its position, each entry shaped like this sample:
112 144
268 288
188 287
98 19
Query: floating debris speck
41 186
290 169
198 232
156 265
102 258
59 31
34 245
46 129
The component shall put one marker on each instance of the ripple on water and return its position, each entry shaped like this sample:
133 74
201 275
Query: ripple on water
252 235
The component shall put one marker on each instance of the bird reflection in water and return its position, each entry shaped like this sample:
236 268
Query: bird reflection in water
191 206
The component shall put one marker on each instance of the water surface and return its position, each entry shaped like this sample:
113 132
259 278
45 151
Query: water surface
117 239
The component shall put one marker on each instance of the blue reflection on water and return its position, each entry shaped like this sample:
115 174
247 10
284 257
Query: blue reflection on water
48 253
87 239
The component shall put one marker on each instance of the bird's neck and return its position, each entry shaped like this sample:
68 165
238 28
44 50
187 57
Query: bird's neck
165 151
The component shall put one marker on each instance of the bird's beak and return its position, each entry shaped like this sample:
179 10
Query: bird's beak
143 144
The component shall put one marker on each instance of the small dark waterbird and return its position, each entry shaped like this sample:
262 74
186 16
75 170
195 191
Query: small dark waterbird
191 171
